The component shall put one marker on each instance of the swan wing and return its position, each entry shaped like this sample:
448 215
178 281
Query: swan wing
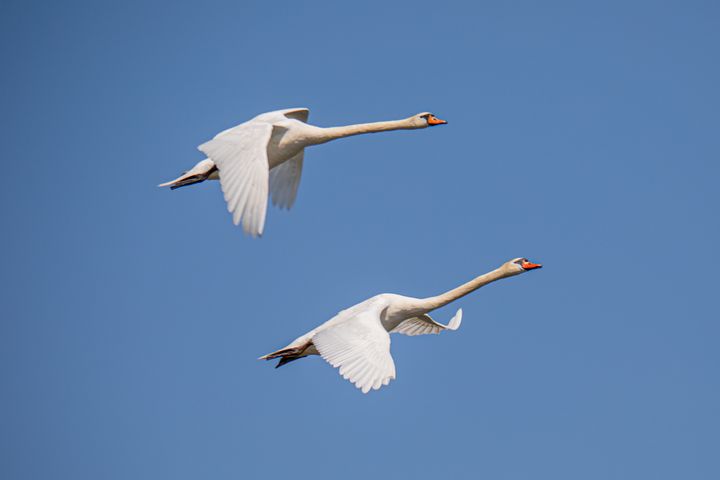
285 180
424 325
360 347
241 158
301 114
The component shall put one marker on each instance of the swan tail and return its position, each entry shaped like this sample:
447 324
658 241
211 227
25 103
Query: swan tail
185 180
286 355
199 173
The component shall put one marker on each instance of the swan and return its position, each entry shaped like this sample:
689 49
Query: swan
357 340
265 154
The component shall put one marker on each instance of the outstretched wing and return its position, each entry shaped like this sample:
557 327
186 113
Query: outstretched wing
360 347
424 325
301 114
241 157
285 180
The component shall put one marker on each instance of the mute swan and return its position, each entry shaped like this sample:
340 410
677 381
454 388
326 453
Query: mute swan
266 153
357 340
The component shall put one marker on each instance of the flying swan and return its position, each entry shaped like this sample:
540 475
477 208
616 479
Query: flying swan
265 154
357 340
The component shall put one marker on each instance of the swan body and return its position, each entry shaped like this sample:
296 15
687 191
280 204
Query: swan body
357 340
264 157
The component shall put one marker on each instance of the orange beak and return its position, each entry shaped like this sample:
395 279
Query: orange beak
530 265
435 121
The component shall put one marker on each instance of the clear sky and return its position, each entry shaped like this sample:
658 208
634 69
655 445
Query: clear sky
583 135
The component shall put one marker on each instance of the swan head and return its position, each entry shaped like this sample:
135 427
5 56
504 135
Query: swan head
425 119
520 265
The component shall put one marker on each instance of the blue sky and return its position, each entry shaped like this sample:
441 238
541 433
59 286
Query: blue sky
581 135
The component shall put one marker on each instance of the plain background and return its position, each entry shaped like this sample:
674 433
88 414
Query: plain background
583 135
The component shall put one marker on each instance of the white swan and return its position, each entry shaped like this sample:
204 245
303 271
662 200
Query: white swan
265 154
357 340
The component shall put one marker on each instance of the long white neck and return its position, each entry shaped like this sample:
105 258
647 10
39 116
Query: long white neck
431 303
324 135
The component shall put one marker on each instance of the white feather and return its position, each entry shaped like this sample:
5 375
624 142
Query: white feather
241 158
285 180
425 325
360 347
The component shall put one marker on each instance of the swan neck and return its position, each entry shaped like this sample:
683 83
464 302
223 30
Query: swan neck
441 300
333 133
